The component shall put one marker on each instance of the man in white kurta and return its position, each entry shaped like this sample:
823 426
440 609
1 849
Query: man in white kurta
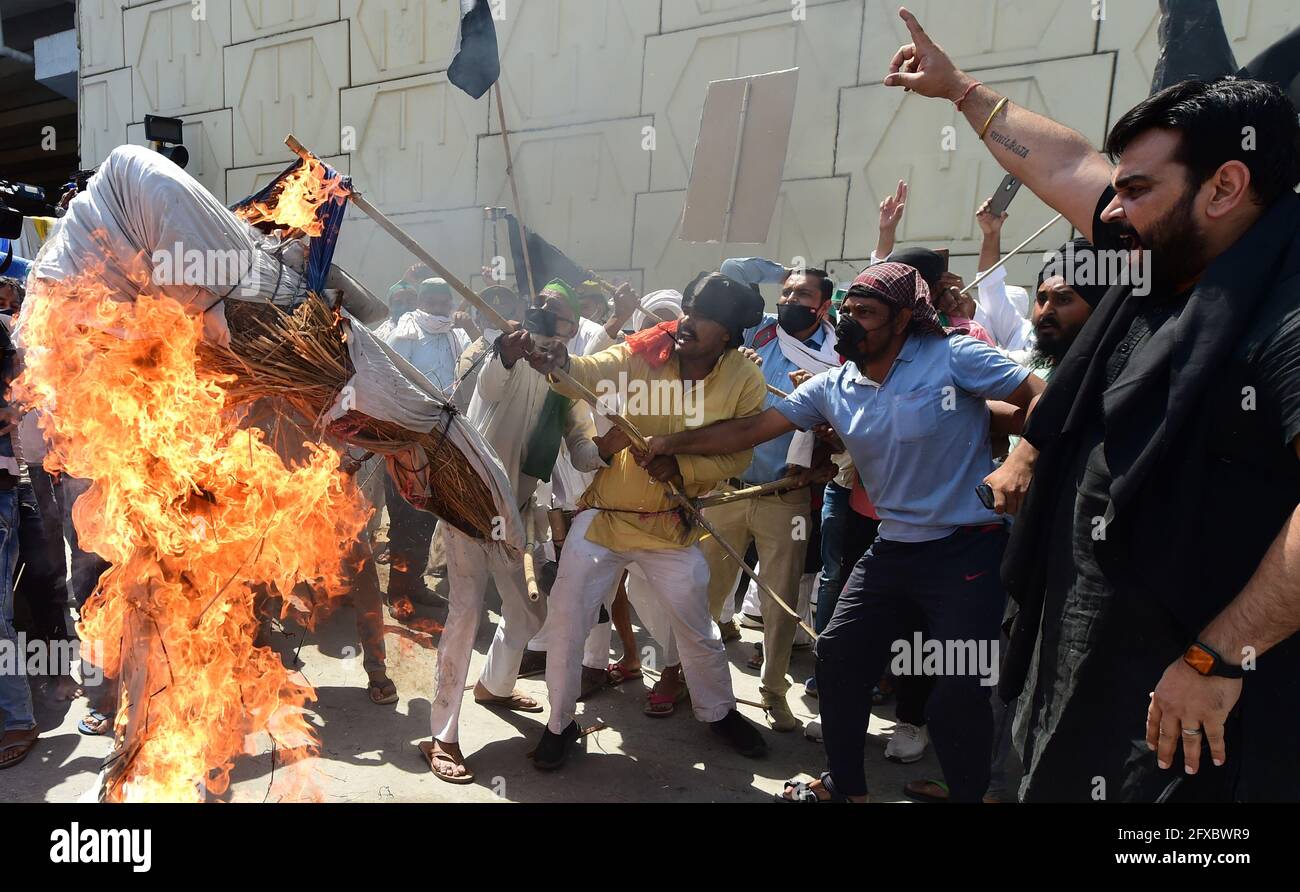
510 408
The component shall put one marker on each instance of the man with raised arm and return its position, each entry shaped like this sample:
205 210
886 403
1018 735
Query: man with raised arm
1156 559
909 405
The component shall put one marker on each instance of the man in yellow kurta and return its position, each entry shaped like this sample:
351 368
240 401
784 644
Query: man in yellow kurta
678 376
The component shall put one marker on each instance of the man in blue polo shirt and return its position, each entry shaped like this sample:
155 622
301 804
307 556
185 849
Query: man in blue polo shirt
798 337
910 407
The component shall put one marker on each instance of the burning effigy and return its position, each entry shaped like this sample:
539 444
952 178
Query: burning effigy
160 329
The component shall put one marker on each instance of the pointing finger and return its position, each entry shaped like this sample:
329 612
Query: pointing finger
919 37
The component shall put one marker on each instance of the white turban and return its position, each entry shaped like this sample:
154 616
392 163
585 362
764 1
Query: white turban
666 303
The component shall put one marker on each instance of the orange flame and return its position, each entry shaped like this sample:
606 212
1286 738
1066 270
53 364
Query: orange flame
196 516
294 202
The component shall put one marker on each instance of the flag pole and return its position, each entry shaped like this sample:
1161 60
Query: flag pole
514 191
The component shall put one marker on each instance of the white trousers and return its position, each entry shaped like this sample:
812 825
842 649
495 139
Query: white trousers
469 564
679 576
595 650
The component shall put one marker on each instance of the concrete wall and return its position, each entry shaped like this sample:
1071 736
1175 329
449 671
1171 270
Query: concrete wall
582 79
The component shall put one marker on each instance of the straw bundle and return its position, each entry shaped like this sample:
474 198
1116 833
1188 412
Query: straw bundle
300 359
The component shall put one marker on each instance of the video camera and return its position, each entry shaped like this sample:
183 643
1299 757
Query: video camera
18 200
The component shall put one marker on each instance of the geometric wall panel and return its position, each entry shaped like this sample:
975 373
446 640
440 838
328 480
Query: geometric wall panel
176 61
577 184
571 60
99 30
680 66
682 14
103 114
250 19
398 38
286 84
416 142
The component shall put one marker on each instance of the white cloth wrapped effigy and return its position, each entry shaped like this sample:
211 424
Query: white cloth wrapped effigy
143 215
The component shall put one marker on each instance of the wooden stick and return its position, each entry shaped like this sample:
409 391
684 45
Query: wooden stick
530 563
559 375
1014 251
514 191
776 487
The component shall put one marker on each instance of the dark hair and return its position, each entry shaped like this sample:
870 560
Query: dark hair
1212 118
828 286
733 304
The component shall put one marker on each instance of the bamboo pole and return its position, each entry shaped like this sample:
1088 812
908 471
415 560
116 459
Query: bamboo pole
530 564
514 191
776 487
559 375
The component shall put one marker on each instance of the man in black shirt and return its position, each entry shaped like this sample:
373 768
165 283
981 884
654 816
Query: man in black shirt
1155 560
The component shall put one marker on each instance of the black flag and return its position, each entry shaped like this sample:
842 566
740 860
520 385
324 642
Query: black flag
475 65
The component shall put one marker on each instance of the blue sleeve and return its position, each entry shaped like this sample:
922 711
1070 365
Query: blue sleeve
981 370
804 407
752 270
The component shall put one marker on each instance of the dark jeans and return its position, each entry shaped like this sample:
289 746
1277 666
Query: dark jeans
42 587
841 551
410 533
955 583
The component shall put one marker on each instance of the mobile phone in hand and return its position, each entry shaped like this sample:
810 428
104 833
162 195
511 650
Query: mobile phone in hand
1001 199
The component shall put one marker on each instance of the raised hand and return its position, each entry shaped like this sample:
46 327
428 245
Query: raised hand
891 209
923 67
989 223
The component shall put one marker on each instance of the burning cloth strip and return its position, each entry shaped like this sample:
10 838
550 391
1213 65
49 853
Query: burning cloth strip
148 381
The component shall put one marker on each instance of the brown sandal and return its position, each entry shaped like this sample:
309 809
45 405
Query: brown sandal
382 691
22 747
440 757
516 702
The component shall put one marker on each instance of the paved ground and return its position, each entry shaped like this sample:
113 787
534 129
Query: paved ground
369 753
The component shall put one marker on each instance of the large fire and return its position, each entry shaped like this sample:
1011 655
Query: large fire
198 517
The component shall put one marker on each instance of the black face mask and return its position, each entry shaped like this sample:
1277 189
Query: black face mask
794 318
539 322
849 338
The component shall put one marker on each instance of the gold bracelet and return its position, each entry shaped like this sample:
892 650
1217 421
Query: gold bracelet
989 123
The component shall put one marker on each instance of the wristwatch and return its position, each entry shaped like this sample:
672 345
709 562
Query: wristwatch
1206 660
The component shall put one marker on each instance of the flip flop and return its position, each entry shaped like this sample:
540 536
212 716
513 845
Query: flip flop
617 673
99 718
23 748
438 757
516 702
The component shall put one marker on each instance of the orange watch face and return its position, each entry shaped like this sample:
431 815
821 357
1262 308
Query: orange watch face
1199 659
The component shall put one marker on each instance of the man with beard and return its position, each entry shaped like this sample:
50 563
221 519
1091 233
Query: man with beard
798 337
909 399
1063 302
1169 410
629 516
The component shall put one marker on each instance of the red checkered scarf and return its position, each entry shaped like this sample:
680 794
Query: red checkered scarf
901 286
